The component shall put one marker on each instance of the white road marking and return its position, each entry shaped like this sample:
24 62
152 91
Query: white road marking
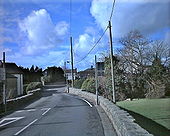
44 108
12 120
25 127
87 103
46 111
31 110
20 111
51 89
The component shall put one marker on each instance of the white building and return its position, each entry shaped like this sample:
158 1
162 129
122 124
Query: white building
69 75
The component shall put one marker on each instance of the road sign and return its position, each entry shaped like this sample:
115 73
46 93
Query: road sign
100 68
2 74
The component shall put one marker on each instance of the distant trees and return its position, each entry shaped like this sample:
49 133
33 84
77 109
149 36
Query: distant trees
54 74
32 74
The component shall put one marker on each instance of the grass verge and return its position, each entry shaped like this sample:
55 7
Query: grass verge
157 110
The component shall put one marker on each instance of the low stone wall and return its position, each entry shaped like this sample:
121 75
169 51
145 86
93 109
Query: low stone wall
21 101
122 121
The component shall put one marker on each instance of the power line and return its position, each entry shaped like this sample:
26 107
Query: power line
113 5
93 46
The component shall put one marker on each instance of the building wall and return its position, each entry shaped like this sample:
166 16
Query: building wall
11 88
19 83
69 76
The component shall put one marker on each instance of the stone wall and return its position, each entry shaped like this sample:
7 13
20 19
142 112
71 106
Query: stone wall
122 121
17 103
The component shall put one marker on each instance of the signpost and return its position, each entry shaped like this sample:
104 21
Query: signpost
96 78
3 80
2 74
99 71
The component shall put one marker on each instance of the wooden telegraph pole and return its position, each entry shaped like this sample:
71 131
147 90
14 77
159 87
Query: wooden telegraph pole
4 82
71 43
112 63
65 69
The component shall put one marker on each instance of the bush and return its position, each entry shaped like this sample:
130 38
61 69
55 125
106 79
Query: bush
89 85
78 83
33 85
167 89
24 88
46 79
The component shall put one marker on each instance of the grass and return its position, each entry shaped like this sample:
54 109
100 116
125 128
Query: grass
156 109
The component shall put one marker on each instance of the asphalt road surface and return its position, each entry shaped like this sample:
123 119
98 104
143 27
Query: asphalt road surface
55 114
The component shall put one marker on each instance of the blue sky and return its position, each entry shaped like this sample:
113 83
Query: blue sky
36 32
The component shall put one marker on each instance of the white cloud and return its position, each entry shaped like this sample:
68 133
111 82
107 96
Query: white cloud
148 16
53 58
40 32
84 43
61 28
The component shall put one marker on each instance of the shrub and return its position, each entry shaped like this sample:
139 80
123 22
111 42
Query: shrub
89 85
167 89
24 88
78 83
46 79
33 85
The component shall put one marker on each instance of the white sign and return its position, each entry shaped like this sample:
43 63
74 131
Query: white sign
2 74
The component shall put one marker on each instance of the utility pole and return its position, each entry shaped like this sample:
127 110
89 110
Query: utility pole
96 78
71 42
65 68
4 83
112 63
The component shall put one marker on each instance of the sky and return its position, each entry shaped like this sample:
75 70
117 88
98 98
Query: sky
37 32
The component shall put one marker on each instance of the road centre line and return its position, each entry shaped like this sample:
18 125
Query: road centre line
46 111
25 127
87 103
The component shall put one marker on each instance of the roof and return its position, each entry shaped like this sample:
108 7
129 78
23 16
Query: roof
89 70
12 68
69 70
10 76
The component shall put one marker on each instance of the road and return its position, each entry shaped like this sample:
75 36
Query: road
55 114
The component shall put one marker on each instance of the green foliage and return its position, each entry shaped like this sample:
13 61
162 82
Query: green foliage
33 85
156 77
89 85
157 70
167 89
31 75
85 83
24 88
120 84
78 83
46 79
55 74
